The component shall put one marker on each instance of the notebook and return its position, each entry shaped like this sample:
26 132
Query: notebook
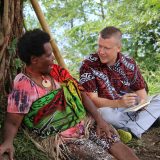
137 107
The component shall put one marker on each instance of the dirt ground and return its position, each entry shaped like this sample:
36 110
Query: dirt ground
148 147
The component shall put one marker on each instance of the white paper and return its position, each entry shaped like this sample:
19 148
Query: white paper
137 107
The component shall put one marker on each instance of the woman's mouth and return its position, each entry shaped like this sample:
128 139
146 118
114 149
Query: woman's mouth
50 66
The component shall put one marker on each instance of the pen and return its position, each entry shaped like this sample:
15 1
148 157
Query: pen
122 93
137 97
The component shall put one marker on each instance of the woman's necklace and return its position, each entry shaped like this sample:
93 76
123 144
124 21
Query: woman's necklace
45 82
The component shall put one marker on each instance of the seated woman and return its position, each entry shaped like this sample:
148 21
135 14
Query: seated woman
50 103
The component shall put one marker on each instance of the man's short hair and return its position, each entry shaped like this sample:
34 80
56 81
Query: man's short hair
110 31
31 44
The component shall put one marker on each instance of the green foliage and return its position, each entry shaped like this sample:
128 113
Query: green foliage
151 72
30 18
12 47
75 25
17 63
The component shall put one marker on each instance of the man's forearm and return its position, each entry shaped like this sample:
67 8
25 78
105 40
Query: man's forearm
142 94
103 102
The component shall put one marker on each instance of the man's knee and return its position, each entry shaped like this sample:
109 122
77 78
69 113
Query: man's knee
110 115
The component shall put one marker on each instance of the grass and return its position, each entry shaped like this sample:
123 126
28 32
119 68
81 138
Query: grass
26 150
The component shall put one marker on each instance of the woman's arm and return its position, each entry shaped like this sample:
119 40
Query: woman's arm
92 109
11 125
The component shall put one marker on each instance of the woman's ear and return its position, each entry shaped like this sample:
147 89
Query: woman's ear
34 59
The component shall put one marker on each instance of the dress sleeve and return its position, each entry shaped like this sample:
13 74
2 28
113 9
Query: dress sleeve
22 96
87 79
60 74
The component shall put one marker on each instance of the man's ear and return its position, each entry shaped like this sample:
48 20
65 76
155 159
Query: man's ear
119 47
34 59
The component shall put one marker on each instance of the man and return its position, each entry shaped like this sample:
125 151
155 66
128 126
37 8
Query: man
114 82
53 107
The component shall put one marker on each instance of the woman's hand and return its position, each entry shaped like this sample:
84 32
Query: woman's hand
103 128
6 148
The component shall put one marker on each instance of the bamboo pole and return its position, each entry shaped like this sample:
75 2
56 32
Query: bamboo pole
45 27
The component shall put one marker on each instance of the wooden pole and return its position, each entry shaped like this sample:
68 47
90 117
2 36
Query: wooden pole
45 27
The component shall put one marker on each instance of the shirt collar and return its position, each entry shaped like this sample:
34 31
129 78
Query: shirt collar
118 61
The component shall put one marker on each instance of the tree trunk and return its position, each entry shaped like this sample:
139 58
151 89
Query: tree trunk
11 27
102 9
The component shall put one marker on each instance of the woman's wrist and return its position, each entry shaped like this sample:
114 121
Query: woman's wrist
98 118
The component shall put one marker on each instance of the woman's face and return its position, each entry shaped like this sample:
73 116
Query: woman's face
44 62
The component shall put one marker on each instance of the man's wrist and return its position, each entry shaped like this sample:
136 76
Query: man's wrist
118 103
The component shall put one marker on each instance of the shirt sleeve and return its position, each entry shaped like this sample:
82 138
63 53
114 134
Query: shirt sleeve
87 79
138 82
22 96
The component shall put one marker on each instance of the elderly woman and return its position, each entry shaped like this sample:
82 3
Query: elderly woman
50 103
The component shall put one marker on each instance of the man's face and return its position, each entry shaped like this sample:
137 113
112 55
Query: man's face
45 61
108 50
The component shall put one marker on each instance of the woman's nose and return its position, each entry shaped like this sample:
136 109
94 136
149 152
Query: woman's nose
53 57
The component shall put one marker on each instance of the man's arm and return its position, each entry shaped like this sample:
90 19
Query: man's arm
126 101
142 94
11 125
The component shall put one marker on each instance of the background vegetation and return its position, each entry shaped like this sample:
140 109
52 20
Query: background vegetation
75 24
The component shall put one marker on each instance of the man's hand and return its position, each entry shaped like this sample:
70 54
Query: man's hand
143 101
6 148
128 100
